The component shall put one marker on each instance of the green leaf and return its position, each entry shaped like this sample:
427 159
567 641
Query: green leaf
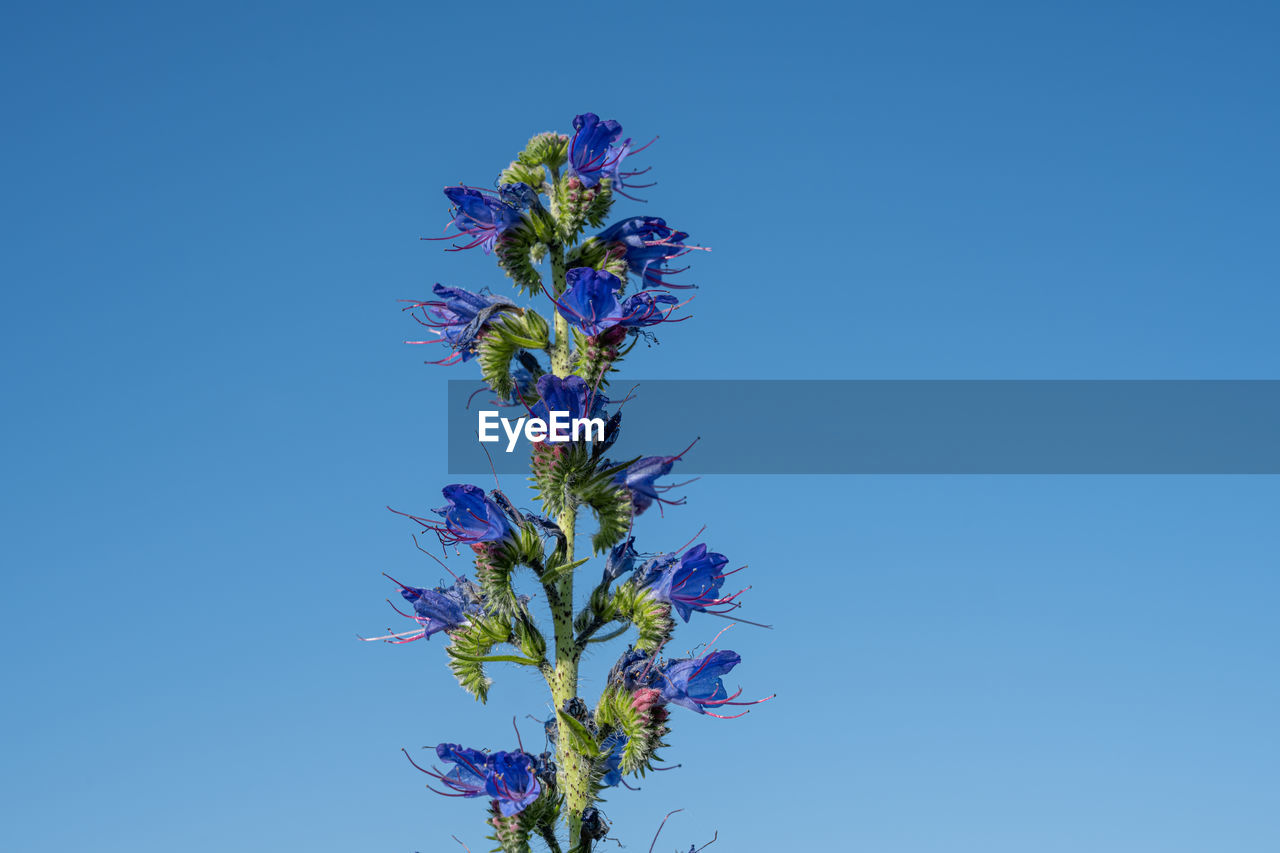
456 655
558 572
580 737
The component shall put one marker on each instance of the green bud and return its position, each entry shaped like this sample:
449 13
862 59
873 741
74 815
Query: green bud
546 149
598 207
519 172
601 256
510 833
643 722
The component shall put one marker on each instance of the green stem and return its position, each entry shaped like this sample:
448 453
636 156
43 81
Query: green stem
560 343
573 769
548 834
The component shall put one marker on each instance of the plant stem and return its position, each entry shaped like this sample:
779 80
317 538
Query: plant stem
560 365
573 770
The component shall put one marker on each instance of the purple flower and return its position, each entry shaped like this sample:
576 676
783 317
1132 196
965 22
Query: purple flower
512 781
507 777
590 302
471 517
592 154
471 768
694 683
435 610
613 746
639 478
690 582
459 317
635 669
647 243
571 394
521 385
482 217
621 559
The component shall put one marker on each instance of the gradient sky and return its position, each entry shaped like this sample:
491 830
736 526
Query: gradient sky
209 212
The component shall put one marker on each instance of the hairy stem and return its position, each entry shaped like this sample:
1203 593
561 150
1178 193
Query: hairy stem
573 770
560 365
548 834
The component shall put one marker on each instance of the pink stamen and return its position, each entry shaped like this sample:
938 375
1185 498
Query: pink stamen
638 150
660 826
701 530
396 638
418 766
401 612
432 556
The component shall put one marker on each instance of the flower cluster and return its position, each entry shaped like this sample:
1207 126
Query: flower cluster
556 356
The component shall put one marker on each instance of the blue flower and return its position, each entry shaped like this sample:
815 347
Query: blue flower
459 317
512 781
519 195
521 384
647 243
571 394
642 309
590 302
483 217
444 607
471 516
440 609
613 746
639 478
592 154
694 683
468 778
689 582
621 559
635 669
507 777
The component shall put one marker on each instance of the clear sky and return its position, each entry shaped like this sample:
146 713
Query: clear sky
209 212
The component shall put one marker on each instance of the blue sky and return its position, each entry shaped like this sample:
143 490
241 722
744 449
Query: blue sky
209 212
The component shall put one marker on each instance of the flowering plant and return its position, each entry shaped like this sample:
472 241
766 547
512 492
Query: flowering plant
556 188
